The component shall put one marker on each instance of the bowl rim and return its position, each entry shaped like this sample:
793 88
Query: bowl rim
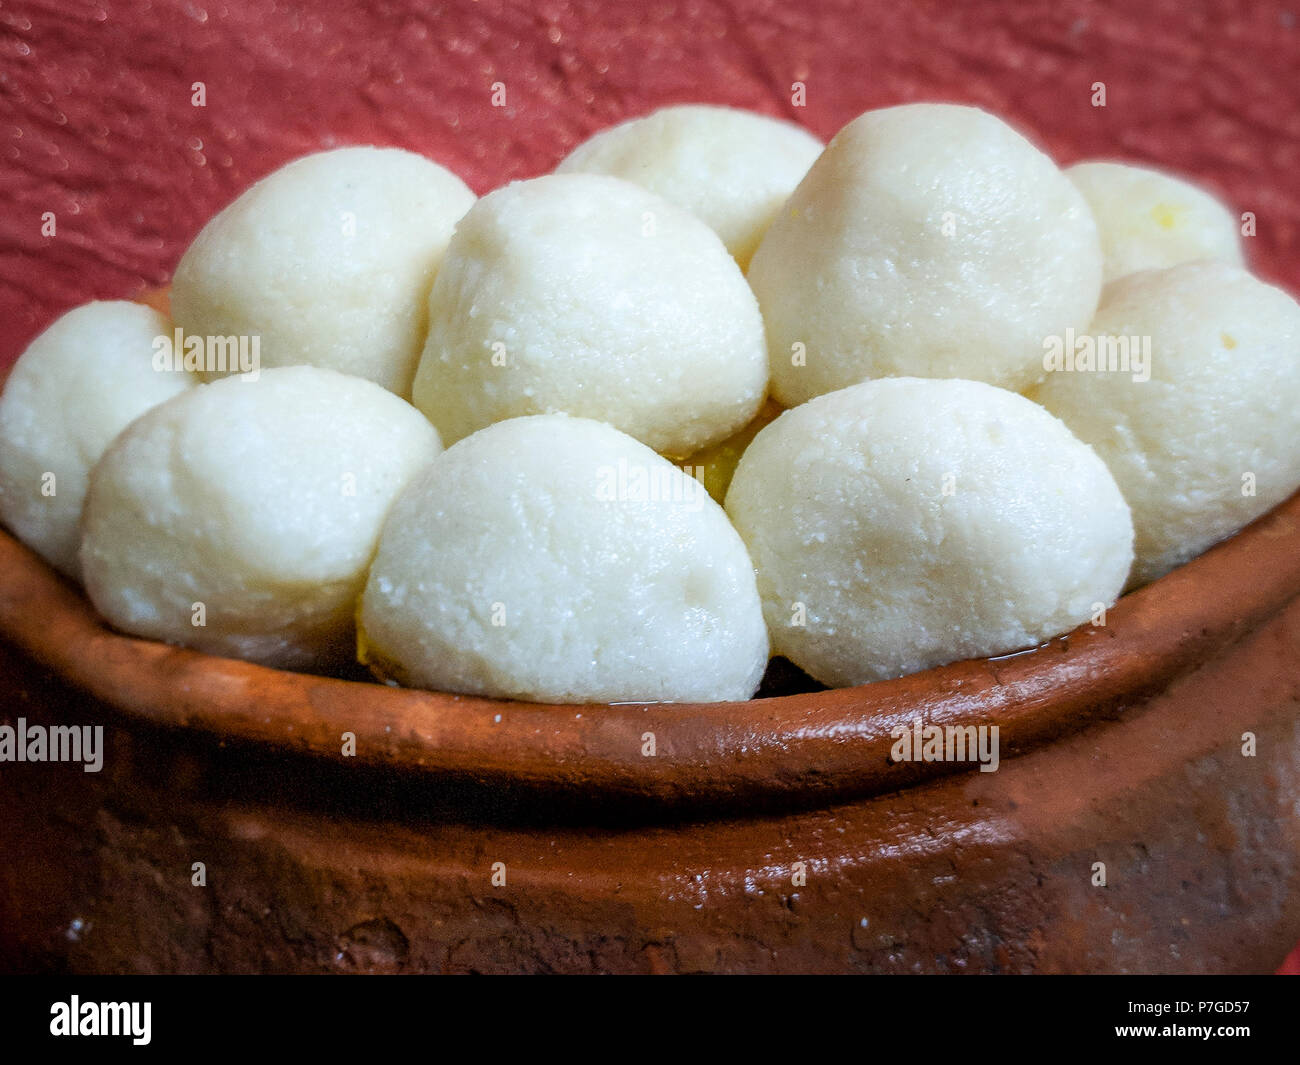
791 750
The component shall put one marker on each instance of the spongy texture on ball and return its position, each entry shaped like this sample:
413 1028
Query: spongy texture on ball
556 559
240 517
329 261
77 386
1209 442
902 524
929 240
587 295
733 169
1149 220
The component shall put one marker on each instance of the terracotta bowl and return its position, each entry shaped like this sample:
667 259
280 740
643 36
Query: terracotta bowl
1124 829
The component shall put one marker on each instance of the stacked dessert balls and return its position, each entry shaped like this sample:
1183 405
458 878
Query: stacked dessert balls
708 392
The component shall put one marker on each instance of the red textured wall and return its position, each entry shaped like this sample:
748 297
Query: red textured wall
96 122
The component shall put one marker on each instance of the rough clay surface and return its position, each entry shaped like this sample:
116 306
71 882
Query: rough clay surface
733 169
1209 442
903 524
555 559
588 295
261 500
929 240
329 261
1149 220
77 386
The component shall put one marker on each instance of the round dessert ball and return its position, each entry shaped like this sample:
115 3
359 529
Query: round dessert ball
240 517
929 240
906 523
587 295
555 559
328 261
1149 220
732 169
77 386
1191 395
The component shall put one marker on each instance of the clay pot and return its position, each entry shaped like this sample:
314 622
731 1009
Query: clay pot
776 835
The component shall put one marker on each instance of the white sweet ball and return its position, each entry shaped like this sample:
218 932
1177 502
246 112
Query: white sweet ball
556 559
1149 220
929 240
732 169
902 524
1209 442
262 501
328 261
77 386
587 295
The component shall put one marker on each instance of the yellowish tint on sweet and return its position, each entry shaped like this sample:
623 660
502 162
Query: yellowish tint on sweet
718 463
1150 220
1168 215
